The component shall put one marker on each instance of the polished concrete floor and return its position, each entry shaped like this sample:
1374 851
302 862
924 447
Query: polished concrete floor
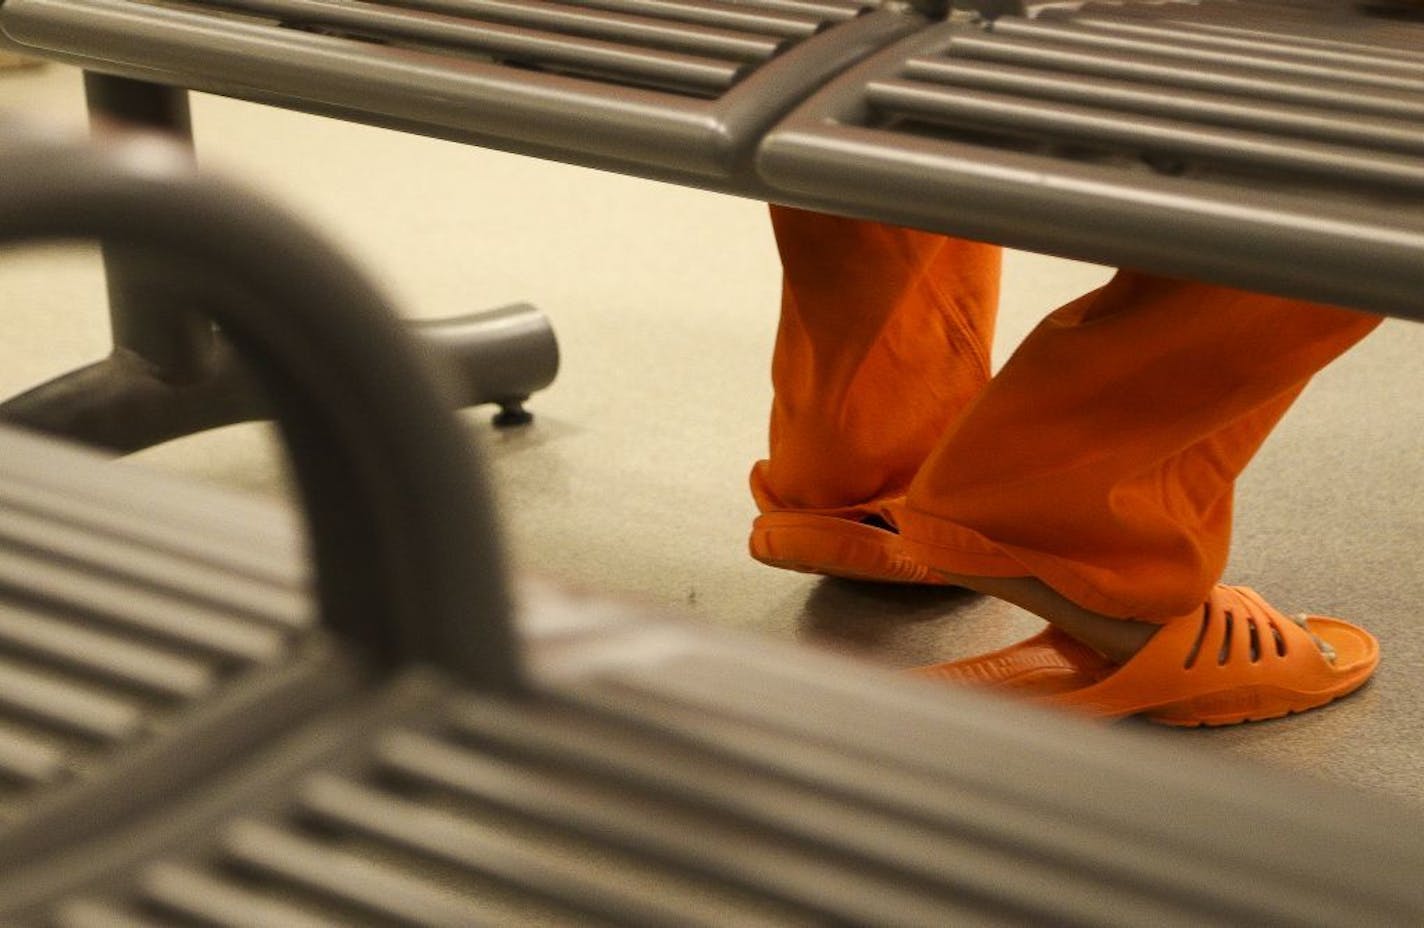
632 480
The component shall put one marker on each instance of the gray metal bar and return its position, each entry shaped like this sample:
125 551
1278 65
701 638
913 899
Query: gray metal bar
223 540
1152 69
789 875
738 706
115 602
503 42
147 315
402 526
130 401
1147 874
1337 28
1298 67
1302 34
1153 136
820 11
762 19
39 530
221 902
55 701
832 10
513 860
1283 44
347 877
636 125
735 45
178 751
499 356
87 913
715 781
1151 99
769 92
1315 249
691 141
29 760
103 655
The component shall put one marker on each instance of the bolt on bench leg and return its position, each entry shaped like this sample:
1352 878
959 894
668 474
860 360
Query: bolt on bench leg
499 356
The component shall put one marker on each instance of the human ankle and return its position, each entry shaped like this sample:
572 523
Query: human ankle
1116 639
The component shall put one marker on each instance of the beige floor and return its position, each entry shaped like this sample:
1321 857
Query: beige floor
632 481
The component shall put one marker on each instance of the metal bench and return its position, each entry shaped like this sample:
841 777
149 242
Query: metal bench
197 728
1273 147
1268 145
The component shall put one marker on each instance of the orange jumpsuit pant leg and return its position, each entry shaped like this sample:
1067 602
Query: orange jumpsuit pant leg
884 339
1102 458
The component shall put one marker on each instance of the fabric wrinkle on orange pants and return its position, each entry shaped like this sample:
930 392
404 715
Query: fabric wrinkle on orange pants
884 339
1101 459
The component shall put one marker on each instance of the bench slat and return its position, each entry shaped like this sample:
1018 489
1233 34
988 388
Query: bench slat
1218 109
503 43
1087 126
648 31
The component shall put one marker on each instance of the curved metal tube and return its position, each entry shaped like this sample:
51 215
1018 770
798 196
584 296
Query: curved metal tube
408 564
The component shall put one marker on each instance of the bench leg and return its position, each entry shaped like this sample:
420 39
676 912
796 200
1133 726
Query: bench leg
171 374
148 316
500 356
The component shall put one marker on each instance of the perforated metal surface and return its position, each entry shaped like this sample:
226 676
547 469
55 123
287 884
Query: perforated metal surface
1273 147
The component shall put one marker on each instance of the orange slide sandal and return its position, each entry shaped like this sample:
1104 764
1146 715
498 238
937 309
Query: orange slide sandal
1048 664
1237 660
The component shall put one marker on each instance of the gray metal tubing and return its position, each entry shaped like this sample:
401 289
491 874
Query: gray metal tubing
1152 69
520 863
1293 246
1217 109
126 402
1304 32
1181 49
836 10
407 560
534 108
1304 38
146 315
764 97
1330 22
128 105
1064 861
748 17
1015 115
1082 814
250 553
170 570
512 42
688 141
832 10
1282 43
727 44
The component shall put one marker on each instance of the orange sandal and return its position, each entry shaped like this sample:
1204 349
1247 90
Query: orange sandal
1237 660
1048 664
836 546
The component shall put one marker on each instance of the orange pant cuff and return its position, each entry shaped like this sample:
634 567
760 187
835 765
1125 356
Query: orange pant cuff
942 545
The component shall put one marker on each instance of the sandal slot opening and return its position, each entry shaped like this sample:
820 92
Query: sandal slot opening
1224 654
1196 645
